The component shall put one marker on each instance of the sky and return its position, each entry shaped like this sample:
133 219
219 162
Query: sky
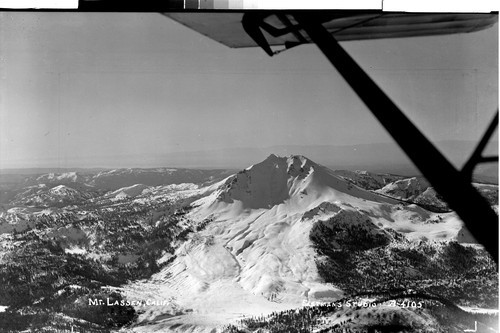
79 88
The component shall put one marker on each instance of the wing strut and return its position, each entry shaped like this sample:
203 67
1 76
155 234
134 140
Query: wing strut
450 183
477 156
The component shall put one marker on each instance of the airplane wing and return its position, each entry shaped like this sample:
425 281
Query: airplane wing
227 27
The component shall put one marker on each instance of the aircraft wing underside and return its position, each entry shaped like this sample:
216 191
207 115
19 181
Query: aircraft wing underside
227 28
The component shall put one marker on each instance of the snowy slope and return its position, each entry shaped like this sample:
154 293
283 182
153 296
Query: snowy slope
127 192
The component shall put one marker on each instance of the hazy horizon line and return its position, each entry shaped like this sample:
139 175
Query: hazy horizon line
124 161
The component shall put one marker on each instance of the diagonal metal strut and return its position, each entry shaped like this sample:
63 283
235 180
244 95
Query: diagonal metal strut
477 157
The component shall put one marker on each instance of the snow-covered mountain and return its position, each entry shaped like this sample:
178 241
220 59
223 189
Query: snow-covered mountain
195 256
256 246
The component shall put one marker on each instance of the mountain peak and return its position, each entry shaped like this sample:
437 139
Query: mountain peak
278 179
274 160
62 189
272 157
291 165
